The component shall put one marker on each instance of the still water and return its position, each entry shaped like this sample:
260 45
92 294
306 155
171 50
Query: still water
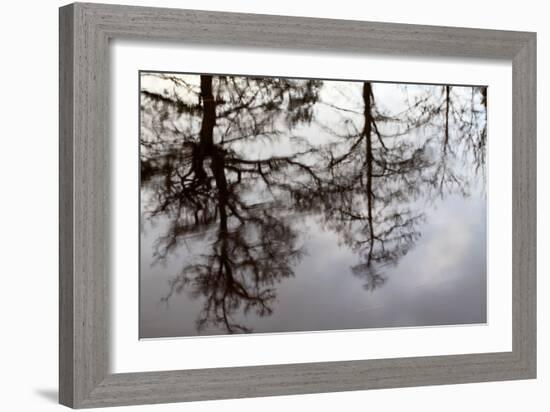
279 205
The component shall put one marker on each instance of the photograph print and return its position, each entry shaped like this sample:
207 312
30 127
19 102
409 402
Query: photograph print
279 205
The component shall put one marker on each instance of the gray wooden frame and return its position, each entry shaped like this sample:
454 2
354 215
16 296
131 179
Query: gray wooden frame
85 31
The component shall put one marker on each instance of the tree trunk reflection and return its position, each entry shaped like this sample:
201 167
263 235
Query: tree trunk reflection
233 160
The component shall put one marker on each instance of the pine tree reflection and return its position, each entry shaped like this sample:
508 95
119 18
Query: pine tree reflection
201 165
380 173
202 182
369 194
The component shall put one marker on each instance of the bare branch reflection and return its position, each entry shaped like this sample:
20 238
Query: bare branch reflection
233 161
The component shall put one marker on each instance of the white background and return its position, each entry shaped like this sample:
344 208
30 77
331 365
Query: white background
132 355
28 355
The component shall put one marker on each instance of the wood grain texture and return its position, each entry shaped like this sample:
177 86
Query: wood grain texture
66 109
524 204
85 31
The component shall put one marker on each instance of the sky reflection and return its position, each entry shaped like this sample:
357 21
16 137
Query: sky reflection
280 205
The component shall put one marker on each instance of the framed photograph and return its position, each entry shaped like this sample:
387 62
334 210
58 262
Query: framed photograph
256 205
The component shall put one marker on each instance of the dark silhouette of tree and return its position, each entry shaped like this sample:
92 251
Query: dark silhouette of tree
368 191
384 164
454 129
203 169
240 271
203 178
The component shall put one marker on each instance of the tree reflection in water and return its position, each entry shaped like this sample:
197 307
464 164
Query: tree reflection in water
234 160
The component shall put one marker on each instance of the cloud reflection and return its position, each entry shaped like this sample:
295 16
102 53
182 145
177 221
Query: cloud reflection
272 204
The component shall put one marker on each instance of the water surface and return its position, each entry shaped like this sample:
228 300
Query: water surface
280 205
